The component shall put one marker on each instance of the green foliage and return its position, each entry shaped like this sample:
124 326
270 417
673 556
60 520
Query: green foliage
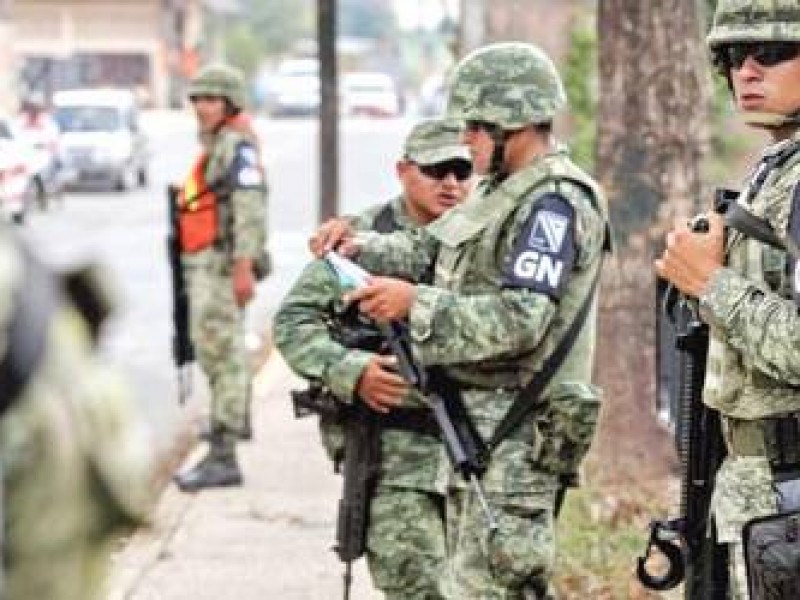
580 77
242 49
274 25
596 552
366 18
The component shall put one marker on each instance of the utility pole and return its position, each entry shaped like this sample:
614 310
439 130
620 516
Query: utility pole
328 111
473 25
7 68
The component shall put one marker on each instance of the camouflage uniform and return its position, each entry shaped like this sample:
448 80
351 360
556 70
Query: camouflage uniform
406 539
753 368
76 466
491 322
216 321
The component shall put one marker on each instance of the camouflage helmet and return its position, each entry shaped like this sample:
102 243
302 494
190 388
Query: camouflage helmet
755 21
509 84
433 141
220 80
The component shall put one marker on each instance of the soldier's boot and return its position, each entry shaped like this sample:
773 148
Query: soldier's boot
218 468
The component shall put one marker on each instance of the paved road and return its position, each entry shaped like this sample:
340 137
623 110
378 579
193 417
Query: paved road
125 233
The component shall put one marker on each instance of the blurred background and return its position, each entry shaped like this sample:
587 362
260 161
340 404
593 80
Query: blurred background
94 123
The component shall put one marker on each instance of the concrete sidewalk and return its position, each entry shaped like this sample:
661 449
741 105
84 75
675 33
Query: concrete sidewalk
269 540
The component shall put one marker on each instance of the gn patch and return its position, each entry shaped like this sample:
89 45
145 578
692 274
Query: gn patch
246 172
544 254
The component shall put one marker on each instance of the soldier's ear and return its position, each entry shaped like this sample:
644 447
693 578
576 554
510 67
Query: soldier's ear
402 167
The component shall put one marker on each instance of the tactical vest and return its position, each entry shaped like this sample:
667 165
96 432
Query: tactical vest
198 219
741 393
473 236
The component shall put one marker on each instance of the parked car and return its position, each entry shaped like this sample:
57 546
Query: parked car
17 187
369 94
294 88
101 140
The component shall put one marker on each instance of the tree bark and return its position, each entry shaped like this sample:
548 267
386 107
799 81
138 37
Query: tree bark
652 135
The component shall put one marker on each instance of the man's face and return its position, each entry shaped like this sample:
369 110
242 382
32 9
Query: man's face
765 76
210 112
431 190
478 138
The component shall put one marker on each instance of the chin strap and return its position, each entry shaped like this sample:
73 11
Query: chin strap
771 120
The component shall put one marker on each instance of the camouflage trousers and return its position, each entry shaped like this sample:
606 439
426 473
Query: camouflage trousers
513 563
217 332
406 543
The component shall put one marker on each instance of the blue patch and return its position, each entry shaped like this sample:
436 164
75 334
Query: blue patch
245 171
544 254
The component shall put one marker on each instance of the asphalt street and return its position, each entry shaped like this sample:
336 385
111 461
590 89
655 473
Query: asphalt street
125 234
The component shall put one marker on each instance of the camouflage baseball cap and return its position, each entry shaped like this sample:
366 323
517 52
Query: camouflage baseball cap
220 80
435 141
755 20
509 84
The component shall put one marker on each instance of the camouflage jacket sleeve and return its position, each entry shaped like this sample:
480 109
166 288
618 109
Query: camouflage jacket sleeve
450 327
302 336
248 195
758 323
487 325
407 254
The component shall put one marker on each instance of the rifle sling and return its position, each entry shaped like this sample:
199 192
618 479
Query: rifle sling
529 396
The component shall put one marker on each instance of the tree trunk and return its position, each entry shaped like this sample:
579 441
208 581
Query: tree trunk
651 139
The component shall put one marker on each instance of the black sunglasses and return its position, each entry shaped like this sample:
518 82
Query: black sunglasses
475 126
201 97
766 54
462 169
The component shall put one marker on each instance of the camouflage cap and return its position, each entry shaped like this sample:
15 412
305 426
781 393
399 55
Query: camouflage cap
509 84
434 141
755 20
220 80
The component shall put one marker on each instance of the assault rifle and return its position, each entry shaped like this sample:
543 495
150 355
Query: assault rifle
465 447
361 428
182 349
689 541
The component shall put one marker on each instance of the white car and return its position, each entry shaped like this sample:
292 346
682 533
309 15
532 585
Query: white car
101 141
369 94
294 89
17 169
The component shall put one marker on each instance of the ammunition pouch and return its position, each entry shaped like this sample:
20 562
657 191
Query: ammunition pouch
777 438
772 556
567 427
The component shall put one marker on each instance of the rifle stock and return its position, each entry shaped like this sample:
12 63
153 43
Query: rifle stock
182 348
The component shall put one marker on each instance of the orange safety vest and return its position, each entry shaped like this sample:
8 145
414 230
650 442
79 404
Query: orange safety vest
198 215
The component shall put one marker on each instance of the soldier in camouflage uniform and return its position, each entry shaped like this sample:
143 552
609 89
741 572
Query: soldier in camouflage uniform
220 277
75 468
748 290
406 540
513 266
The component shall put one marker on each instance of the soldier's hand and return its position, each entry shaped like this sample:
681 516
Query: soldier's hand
335 234
691 258
380 386
384 298
244 282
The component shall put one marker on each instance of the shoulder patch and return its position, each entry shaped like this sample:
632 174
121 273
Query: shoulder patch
544 254
246 172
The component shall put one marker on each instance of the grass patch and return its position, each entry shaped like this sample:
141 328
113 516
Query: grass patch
599 537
